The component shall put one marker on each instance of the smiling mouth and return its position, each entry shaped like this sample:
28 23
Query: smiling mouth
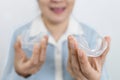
58 10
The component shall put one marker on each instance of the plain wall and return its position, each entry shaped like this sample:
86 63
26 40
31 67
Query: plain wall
102 15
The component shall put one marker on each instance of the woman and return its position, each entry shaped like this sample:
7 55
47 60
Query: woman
54 59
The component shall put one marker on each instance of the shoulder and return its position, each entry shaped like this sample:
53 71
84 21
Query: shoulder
90 34
88 30
18 31
21 28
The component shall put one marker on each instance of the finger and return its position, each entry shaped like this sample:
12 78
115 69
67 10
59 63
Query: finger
77 68
74 61
69 68
44 42
19 53
35 56
84 64
70 48
74 64
95 64
107 39
83 60
17 45
35 61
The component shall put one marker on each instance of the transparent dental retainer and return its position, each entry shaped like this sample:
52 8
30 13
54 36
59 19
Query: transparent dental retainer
28 41
94 48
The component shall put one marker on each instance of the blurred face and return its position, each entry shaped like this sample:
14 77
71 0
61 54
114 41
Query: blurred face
56 11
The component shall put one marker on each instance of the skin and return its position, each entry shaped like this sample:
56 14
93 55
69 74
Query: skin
82 67
26 67
79 66
56 23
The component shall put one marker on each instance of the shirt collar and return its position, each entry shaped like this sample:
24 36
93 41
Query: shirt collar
74 27
38 26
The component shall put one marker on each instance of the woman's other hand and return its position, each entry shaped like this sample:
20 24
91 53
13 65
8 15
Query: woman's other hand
26 67
82 67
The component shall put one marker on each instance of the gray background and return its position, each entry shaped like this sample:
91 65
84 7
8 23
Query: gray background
102 15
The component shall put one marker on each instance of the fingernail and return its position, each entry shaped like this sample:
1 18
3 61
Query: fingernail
43 39
37 45
18 38
46 36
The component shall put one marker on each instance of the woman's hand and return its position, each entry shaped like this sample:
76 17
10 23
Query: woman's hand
82 67
26 67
